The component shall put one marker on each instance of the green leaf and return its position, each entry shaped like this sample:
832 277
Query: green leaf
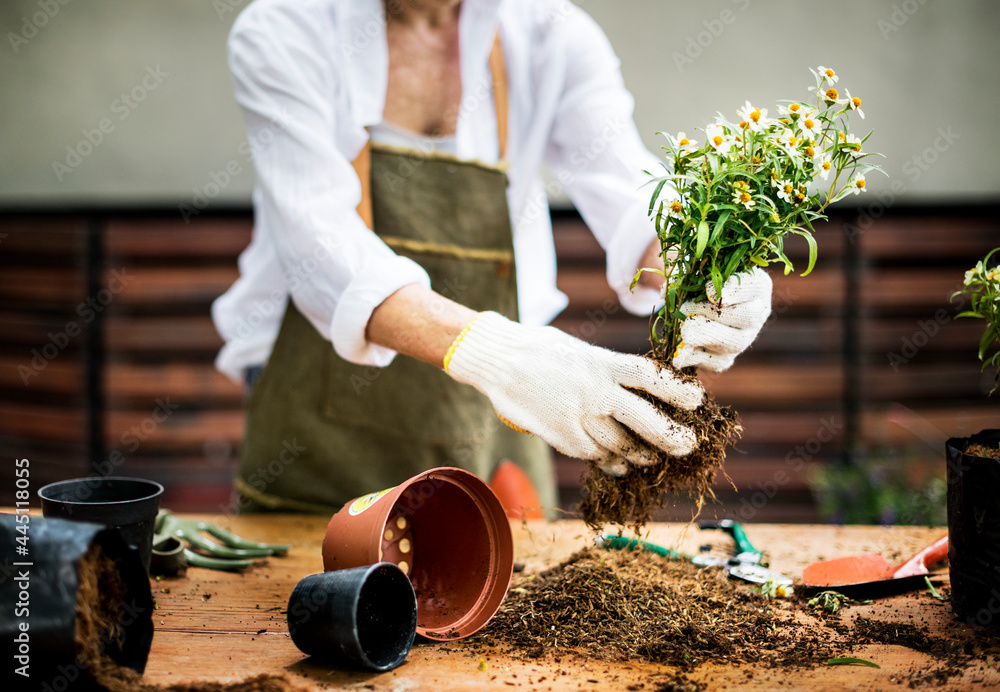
849 660
656 195
717 281
989 337
720 225
702 239
812 252
934 592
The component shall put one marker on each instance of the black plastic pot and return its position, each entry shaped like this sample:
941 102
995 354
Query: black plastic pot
363 616
38 603
127 504
974 530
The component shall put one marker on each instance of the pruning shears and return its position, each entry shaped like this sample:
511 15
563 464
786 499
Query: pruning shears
744 563
171 554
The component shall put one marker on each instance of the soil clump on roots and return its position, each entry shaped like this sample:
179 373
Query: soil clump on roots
629 501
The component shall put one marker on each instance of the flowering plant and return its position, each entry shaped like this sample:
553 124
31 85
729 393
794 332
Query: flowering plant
982 288
728 205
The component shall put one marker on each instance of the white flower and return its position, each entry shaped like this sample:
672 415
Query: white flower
741 194
823 167
858 184
756 118
682 143
809 150
830 96
855 145
854 103
675 210
811 126
828 75
792 110
719 140
785 190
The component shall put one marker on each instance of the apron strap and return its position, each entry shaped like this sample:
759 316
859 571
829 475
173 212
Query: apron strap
363 162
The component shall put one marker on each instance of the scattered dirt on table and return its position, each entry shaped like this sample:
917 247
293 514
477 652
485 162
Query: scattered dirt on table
621 605
629 501
618 606
100 635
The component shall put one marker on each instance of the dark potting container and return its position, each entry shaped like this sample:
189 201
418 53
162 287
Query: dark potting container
129 505
974 530
38 603
363 616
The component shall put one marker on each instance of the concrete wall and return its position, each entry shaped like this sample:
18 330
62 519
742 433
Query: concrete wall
129 101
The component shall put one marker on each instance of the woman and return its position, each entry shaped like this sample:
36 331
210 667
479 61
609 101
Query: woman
426 110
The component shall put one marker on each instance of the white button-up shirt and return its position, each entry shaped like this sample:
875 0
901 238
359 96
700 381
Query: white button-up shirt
311 75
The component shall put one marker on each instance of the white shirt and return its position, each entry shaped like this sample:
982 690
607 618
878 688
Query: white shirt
311 75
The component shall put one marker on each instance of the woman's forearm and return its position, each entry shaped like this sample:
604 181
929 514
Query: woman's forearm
419 323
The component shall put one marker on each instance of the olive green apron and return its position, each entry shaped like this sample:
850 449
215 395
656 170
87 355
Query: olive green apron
322 431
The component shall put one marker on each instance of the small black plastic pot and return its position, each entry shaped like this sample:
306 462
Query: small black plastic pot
362 617
974 530
127 504
38 599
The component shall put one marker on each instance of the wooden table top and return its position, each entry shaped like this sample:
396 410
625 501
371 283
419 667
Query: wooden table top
224 627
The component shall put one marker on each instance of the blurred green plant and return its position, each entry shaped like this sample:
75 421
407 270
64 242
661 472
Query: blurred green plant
880 487
982 289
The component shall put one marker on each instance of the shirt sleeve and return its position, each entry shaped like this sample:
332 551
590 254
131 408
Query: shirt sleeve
596 152
336 270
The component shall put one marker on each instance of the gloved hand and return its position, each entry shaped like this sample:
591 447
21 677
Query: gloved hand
715 333
577 397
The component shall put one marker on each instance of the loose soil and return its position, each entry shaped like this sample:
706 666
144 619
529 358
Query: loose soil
620 606
100 635
630 501
978 450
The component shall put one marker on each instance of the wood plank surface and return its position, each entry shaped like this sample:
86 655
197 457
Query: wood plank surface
225 626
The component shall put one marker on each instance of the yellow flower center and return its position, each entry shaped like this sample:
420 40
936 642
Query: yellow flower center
789 189
717 140
829 73
755 115
860 183
808 123
792 141
810 151
831 94
794 108
856 102
744 197
826 165
676 207
684 141
843 137
744 124
799 197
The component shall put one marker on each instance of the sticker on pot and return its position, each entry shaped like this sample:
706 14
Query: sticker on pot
363 503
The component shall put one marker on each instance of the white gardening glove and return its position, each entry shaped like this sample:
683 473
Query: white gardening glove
572 394
714 334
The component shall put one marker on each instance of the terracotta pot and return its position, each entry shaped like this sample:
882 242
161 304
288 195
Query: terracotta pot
974 530
447 531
